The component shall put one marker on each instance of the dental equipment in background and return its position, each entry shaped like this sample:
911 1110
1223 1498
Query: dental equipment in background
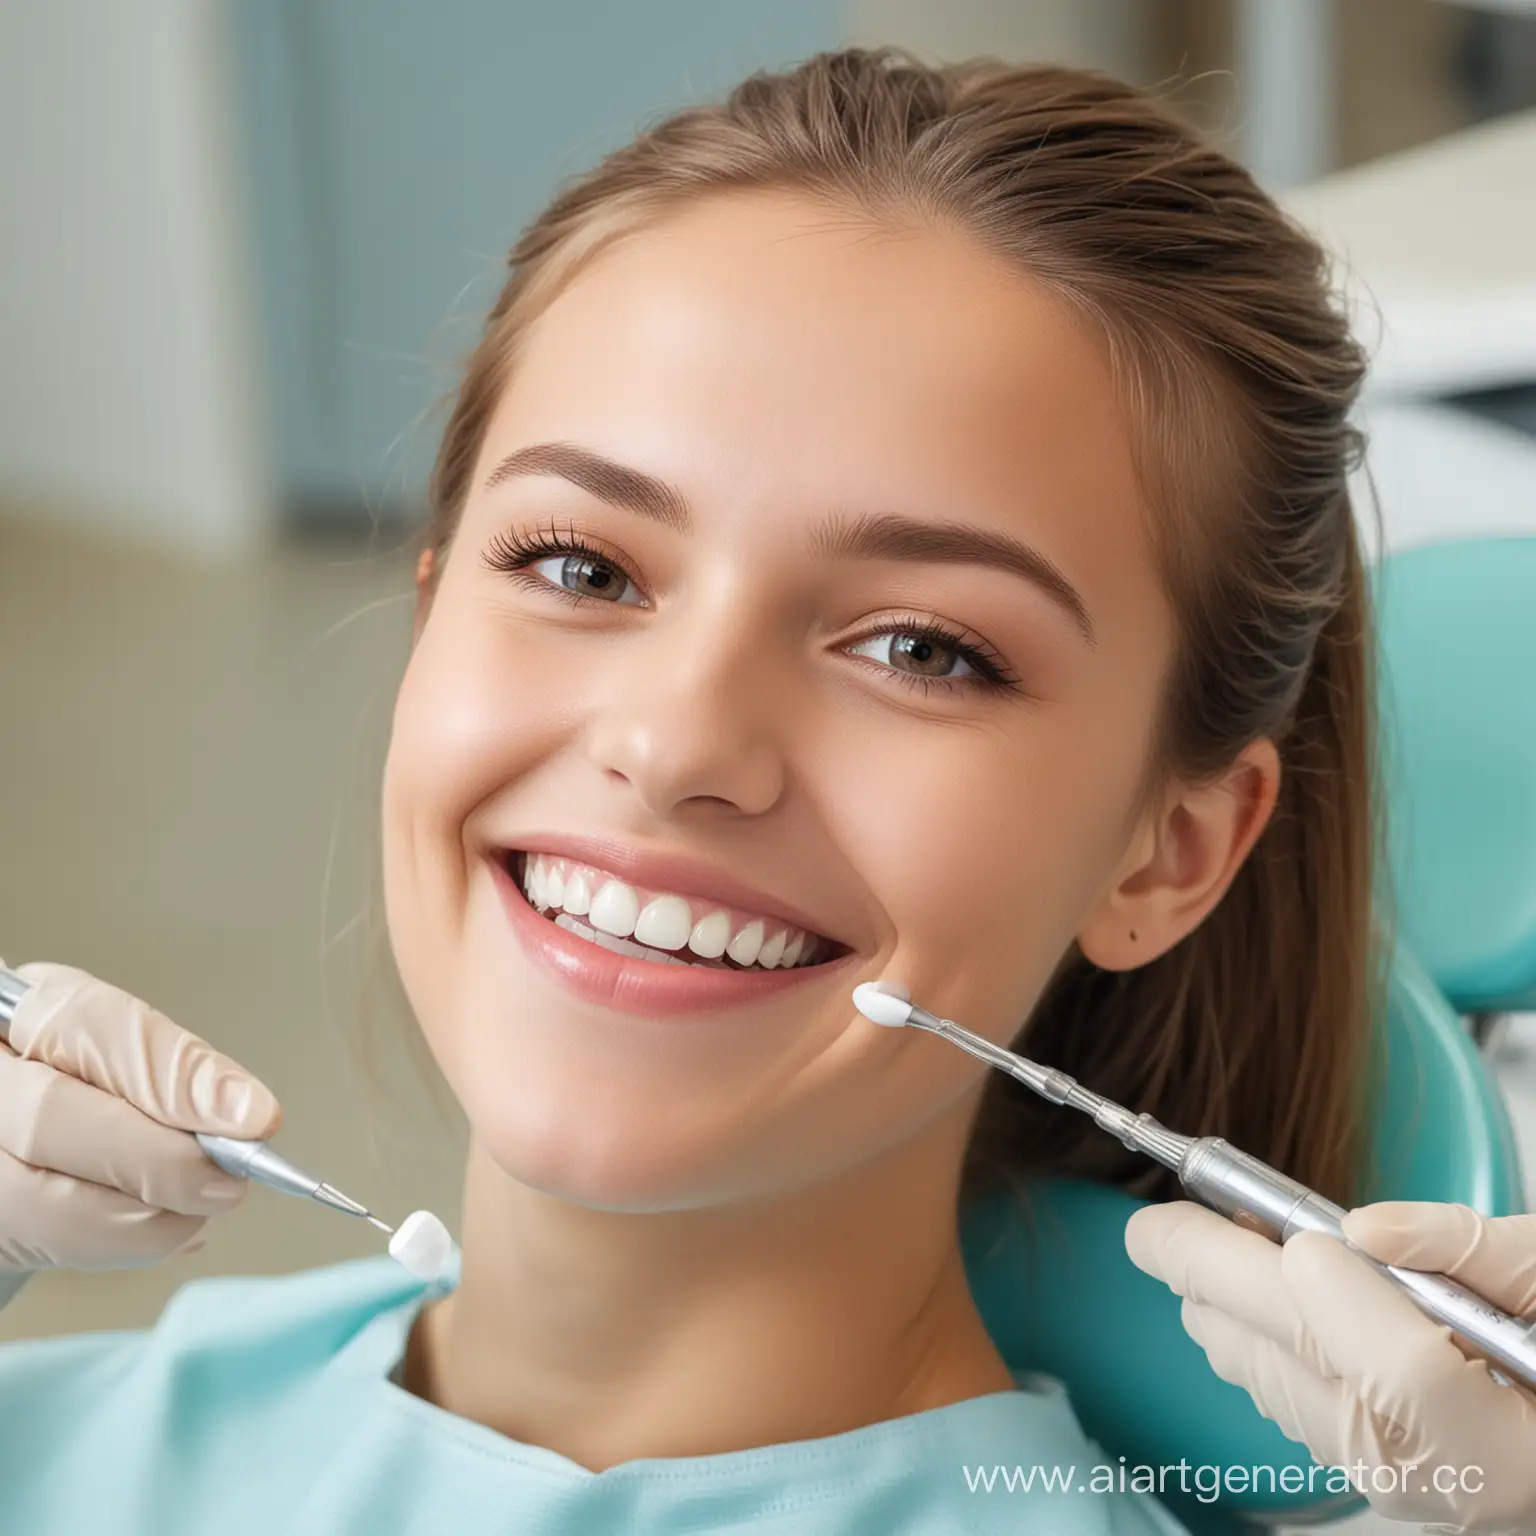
1247 1192
244 1159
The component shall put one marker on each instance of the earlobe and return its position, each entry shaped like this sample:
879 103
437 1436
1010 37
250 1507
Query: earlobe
426 563
1183 863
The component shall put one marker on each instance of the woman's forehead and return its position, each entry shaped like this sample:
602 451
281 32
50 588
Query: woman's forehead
759 333
766 290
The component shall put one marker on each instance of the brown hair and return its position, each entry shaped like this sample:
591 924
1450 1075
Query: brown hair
1238 373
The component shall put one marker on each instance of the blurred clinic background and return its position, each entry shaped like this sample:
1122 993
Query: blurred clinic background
245 243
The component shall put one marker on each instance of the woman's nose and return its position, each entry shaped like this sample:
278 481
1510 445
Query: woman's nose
682 719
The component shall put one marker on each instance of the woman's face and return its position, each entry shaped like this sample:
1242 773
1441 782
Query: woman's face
752 459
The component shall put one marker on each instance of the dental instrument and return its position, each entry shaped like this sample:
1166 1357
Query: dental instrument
244 1159
1246 1191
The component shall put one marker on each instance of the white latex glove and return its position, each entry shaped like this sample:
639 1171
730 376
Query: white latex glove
1343 1362
97 1092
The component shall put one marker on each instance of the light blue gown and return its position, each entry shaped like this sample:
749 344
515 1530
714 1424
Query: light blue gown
268 1407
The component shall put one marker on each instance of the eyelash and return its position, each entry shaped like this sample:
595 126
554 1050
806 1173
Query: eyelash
990 670
512 552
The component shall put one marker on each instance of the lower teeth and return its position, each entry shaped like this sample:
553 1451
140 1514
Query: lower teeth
628 947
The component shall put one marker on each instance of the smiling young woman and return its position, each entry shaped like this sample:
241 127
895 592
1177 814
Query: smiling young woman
893 525
921 495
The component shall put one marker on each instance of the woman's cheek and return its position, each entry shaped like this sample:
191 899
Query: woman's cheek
986 903
446 756
461 722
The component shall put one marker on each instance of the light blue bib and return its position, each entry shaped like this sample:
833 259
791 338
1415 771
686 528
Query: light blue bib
266 1407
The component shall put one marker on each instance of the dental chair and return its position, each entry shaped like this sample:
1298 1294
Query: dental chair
1059 1295
1458 646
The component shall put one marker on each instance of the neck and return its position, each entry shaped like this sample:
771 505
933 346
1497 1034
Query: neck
609 1336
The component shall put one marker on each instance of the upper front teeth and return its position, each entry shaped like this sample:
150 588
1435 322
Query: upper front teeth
711 935
615 909
661 920
665 922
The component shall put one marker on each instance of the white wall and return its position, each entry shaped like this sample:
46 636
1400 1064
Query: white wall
126 369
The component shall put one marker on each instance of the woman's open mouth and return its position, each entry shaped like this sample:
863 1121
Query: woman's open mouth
650 951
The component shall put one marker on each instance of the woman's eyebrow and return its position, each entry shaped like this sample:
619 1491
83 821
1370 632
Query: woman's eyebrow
615 483
869 535
890 536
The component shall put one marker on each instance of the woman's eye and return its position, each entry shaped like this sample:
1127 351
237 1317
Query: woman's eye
588 576
918 655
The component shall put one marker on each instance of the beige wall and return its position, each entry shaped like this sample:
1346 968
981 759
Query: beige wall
191 812
1117 35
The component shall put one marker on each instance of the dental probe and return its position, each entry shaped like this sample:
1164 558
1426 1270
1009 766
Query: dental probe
244 1159
1249 1193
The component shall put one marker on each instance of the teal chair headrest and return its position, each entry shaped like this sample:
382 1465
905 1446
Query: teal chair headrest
1060 1296
1458 692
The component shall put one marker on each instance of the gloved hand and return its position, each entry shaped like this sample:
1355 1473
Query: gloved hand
1342 1361
97 1091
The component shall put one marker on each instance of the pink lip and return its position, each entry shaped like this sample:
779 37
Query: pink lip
673 872
598 975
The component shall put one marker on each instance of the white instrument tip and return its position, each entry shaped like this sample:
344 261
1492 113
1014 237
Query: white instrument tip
422 1245
879 1002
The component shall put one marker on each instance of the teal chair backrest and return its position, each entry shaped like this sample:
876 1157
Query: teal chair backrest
1059 1295
1458 671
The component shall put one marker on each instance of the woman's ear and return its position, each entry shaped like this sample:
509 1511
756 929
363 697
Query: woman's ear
425 565
1182 861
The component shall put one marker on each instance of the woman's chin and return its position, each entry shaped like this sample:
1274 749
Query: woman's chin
646 1167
